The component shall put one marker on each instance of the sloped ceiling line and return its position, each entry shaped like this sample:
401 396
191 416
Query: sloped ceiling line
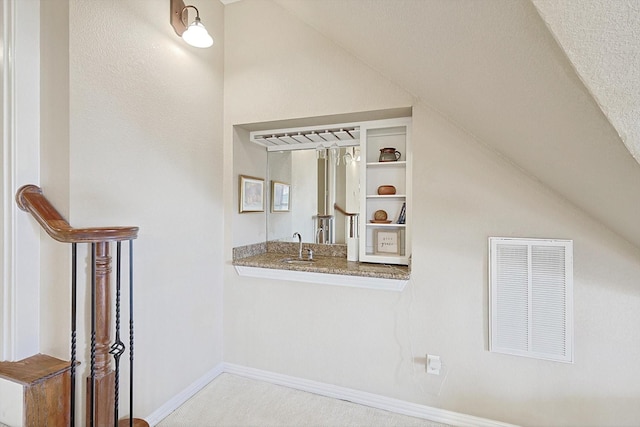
601 38
493 68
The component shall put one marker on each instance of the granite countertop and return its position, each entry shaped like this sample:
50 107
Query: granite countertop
322 264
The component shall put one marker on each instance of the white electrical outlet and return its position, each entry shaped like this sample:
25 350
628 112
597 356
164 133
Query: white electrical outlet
433 364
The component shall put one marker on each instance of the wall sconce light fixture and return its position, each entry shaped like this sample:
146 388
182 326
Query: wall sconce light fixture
194 34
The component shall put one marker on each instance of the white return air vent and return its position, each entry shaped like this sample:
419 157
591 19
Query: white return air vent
531 298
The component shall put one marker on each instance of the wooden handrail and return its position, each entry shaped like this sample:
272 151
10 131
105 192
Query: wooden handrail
30 199
342 211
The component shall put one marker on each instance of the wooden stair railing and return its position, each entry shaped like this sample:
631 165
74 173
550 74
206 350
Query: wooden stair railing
30 199
103 384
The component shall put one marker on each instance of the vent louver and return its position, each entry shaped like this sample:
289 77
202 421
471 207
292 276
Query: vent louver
531 288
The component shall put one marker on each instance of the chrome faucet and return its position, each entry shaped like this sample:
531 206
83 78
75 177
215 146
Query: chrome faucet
296 234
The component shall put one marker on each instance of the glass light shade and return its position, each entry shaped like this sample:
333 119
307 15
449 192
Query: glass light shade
196 35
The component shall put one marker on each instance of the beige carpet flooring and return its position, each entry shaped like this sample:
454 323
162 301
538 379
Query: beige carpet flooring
233 401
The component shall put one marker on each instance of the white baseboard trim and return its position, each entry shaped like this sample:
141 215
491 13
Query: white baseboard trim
179 399
364 398
324 389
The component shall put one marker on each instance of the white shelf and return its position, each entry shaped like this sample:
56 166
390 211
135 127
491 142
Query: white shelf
392 225
387 259
386 164
386 196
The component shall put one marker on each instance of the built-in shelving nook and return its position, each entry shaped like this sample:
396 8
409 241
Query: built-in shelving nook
384 233
379 251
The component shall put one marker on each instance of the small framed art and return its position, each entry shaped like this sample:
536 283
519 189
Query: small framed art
251 194
386 242
280 196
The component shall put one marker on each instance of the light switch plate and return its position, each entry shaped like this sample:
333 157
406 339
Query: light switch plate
433 364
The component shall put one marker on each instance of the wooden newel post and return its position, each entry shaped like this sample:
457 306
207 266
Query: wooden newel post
104 386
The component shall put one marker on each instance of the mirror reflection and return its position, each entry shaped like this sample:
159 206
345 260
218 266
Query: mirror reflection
324 197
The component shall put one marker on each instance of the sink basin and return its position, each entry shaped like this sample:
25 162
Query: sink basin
298 261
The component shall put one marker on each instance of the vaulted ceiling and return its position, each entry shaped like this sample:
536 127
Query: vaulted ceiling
532 90
601 38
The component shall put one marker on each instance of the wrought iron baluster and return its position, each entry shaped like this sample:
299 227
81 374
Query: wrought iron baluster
93 336
117 349
74 273
131 333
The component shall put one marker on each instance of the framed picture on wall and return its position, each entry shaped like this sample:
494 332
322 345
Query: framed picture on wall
251 194
280 196
386 242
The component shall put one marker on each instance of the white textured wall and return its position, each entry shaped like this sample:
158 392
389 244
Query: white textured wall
144 148
463 193
600 38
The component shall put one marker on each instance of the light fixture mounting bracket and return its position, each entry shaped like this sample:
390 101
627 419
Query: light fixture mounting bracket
178 17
